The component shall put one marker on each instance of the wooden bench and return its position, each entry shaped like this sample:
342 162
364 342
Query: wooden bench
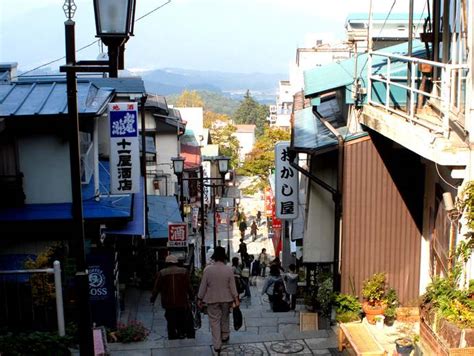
358 336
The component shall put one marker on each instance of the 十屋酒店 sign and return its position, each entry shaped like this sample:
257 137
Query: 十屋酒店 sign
124 148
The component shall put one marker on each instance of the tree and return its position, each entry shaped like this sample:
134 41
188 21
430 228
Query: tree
189 99
251 112
211 118
228 143
261 160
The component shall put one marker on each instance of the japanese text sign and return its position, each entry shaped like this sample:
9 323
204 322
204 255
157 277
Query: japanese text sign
124 148
268 202
177 234
286 184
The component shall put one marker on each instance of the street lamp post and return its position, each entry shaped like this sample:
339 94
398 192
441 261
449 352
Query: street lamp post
114 20
178 169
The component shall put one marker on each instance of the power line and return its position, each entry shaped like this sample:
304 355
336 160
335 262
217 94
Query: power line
88 45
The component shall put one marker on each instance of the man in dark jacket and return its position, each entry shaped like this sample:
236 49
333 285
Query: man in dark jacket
175 287
244 256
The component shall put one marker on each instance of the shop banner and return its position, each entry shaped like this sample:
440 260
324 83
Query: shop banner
286 184
177 234
124 148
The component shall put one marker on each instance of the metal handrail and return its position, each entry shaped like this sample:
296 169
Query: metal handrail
450 95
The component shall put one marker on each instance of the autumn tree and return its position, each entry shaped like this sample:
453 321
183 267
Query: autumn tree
261 160
189 99
228 143
211 118
251 112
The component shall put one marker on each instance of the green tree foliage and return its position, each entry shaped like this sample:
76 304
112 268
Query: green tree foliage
251 112
189 99
261 160
228 143
213 102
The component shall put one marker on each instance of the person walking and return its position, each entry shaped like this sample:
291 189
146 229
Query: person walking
242 226
264 260
244 256
253 230
259 217
218 291
291 283
254 270
174 284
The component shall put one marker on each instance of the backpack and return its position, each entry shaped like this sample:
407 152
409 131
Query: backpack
278 288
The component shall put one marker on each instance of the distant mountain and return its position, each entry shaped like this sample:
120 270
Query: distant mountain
174 80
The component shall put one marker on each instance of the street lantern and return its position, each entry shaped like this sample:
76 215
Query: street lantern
114 20
178 165
223 164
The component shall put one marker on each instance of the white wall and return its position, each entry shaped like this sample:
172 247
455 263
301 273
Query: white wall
194 118
44 161
318 241
246 141
166 148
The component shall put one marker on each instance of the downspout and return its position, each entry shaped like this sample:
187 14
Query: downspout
337 197
336 194
143 124
95 142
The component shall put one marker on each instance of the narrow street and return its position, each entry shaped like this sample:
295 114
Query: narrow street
263 332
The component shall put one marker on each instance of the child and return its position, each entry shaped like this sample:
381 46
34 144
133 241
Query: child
291 281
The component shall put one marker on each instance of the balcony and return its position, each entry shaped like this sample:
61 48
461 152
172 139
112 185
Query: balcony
424 112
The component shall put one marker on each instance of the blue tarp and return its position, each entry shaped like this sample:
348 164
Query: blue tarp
161 210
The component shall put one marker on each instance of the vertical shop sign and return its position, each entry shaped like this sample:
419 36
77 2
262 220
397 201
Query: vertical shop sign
124 148
286 184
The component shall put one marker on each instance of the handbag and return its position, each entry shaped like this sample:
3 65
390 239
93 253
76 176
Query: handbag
238 318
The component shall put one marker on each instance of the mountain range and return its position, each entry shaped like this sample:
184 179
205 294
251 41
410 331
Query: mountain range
167 81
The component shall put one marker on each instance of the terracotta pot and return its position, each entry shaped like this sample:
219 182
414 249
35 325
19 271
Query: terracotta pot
371 311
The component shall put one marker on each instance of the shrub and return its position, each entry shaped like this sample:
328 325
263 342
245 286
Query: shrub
373 289
132 332
35 343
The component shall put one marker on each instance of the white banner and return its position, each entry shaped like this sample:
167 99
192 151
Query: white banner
124 148
206 167
286 184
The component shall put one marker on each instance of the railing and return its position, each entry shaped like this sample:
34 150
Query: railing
87 164
448 95
17 310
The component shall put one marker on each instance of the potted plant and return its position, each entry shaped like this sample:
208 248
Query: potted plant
379 321
348 308
391 301
404 345
373 291
324 302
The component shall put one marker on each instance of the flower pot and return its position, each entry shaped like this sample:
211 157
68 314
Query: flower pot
371 311
389 320
379 321
404 346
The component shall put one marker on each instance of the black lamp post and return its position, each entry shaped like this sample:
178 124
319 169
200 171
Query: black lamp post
178 169
114 20
223 163
86 346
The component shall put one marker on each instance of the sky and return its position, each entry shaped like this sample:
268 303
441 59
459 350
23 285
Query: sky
240 36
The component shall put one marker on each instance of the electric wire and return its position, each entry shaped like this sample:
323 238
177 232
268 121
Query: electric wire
88 45
444 180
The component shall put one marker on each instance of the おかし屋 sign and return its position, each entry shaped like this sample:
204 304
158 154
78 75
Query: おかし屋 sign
286 184
177 234
124 148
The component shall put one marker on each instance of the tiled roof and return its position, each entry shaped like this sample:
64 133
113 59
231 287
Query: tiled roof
245 128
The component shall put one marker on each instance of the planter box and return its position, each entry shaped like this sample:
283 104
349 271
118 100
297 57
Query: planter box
437 344
408 314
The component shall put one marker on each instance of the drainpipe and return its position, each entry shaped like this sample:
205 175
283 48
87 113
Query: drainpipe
336 195
143 124
95 140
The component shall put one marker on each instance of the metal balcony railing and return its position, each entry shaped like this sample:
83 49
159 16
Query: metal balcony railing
446 96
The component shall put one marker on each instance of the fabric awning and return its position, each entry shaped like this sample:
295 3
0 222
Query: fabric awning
161 210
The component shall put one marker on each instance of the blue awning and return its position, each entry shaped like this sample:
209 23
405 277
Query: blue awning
161 210
135 227
14 262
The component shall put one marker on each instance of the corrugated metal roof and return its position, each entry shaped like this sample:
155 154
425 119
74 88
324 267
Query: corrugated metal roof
340 74
157 102
50 98
382 16
121 85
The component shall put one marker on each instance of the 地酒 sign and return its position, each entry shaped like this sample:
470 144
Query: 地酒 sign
124 148
177 234
269 203
286 184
